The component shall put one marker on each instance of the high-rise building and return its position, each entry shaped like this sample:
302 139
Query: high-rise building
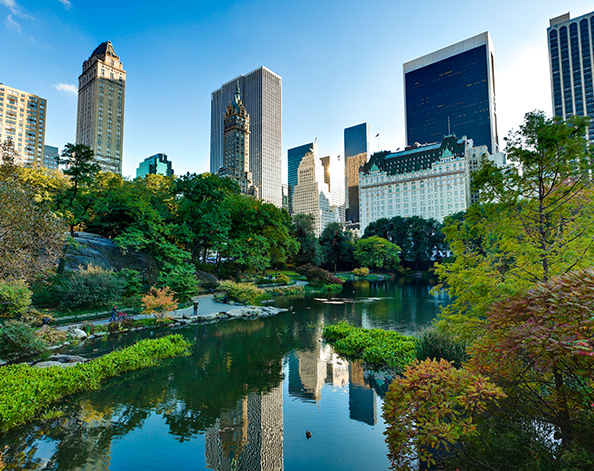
261 92
356 153
155 165
452 91
100 118
24 124
236 159
312 193
571 51
51 157
334 177
294 157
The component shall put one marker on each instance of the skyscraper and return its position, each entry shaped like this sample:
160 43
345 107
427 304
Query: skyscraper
452 91
236 159
261 91
24 124
100 118
155 165
570 57
294 157
356 153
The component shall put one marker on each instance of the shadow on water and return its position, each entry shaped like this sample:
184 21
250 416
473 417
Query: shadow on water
244 398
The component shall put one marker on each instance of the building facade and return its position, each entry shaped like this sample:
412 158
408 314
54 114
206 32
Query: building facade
261 92
452 91
236 159
22 120
334 178
571 51
155 165
356 154
312 193
431 180
100 117
294 157
51 157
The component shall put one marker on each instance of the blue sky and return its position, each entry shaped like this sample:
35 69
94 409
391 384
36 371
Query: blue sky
341 62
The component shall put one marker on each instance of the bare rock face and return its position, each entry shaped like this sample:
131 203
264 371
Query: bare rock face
100 251
207 277
77 333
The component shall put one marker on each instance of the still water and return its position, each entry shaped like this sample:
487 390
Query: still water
243 400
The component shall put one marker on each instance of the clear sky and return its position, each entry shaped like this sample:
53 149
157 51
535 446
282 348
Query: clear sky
341 62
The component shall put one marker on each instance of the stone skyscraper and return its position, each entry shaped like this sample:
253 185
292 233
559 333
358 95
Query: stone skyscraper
452 91
236 159
571 51
100 118
261 92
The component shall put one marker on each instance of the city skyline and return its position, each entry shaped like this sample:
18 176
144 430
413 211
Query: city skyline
167 103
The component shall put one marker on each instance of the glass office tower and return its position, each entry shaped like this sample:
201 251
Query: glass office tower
294 157
356 140
356 153
452 91
261 92
570 57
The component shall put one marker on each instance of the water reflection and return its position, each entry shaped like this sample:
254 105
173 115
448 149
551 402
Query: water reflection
242 401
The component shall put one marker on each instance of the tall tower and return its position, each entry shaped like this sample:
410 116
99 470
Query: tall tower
571 50
356 153
24 124
294 157
236 158
261 92
452 91
100 118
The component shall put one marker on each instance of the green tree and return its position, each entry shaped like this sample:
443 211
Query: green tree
534 224
309 247
82 170
9 160
377 252
338 246
15 298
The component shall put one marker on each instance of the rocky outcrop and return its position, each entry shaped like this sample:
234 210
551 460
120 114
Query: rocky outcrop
100 251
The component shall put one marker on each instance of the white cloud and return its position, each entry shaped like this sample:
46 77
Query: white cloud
66 3
12 24
10 4
66 88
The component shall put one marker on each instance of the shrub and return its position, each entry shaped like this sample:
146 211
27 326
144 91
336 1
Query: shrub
159 302
363 271
244 293
131 281
287 290
15 298
34 318
284 279
27 391
18 339
53 336
317 276
376 346
89 287
181 279
433 343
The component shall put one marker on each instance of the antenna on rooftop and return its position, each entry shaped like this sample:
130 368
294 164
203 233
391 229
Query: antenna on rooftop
449 130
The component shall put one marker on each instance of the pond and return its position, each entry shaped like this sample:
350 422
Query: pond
243 400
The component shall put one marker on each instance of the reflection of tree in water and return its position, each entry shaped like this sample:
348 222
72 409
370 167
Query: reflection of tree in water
229 361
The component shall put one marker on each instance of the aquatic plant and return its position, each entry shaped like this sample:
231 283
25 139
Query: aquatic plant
27 392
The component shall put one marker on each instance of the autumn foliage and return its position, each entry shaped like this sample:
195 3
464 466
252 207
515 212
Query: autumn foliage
159 302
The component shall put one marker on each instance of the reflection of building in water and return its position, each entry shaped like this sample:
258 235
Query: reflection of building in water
249 437
362 398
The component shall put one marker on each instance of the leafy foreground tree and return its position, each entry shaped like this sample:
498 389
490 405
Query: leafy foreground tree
309 247
533 225
338 246
31 235
538 349
377 252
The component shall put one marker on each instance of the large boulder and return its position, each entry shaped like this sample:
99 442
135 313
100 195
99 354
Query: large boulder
77 333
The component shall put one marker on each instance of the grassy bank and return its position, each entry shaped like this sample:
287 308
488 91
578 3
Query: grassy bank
375 346
28 391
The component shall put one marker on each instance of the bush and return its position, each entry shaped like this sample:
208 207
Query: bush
15 298
181 279
317 276
284 279
433 343
287 290
363 271
27 391
132 282
34 318
17 339
53 336
158 302
89 287
376 346
244 293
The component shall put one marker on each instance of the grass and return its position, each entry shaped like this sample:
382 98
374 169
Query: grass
375 346
28 392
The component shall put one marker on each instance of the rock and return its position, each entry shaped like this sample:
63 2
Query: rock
182 322
2 363
67 358
204 276
77 333
47 364
100 334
